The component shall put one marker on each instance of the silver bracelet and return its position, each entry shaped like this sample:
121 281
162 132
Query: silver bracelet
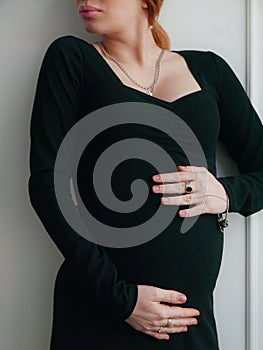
222 218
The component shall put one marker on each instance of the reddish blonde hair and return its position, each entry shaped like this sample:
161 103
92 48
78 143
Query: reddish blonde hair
159 34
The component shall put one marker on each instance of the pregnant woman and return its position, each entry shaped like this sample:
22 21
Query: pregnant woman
158 294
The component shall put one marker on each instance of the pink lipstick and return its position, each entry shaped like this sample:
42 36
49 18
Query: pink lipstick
88 11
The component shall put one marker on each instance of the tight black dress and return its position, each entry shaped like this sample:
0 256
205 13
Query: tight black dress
96 286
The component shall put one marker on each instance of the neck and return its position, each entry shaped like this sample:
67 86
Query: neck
132 46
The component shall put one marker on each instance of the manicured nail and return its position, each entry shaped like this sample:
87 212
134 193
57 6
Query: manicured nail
157 177
183 213
182 298
165 200
156 188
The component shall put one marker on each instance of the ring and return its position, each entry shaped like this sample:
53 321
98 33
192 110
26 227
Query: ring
169 321
160 330
188 187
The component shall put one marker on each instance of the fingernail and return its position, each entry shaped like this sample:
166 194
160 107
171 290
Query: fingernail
165 200
156 177
182 213
182 298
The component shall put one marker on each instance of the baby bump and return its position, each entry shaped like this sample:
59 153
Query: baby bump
188 262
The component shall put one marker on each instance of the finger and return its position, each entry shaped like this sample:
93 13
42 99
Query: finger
176 188
179 322
172 330
181 312
194 211
169 296
192 168
174 177
165 336
157 335
185 199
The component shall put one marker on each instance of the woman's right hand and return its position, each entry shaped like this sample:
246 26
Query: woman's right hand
149 314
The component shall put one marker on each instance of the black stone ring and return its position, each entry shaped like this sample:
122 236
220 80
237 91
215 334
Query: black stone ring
188 187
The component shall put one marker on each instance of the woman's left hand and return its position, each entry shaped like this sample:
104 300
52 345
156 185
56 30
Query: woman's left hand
207 196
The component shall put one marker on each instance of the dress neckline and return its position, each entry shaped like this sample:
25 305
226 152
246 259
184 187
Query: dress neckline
115 76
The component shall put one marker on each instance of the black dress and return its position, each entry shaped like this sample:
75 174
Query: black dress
96 286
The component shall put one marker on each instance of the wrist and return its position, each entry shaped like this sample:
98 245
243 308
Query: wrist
222 218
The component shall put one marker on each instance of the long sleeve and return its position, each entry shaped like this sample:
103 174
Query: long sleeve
55 110
241 131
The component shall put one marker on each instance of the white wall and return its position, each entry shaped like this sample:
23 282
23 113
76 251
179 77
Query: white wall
28 258
255 222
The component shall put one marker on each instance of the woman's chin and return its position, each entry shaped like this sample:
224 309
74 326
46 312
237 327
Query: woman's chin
92 30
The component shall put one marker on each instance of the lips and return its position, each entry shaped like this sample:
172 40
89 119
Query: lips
88 9
89 12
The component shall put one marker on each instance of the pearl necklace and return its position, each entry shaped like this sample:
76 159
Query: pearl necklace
149 88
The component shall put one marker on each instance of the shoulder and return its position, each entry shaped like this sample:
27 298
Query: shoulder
66 44
68 48
63 53
209 65
204 59
63 58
